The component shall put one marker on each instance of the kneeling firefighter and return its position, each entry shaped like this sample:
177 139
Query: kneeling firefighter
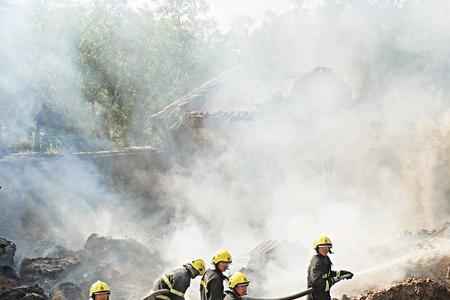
179 280
211 285
320 275
238 286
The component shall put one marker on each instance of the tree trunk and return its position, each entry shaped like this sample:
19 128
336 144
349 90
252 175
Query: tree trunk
37 137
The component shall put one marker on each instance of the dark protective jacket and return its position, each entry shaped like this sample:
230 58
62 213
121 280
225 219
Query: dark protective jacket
211 285
320 277
177 281
231 295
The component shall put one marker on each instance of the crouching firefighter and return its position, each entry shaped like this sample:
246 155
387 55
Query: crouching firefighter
320 275
99 291
238 286
179 280
211 285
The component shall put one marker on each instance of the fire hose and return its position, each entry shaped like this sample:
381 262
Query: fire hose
298 295
154 294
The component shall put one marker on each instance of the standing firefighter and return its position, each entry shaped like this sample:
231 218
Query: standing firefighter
211 285
99 291
179 280
320 275
238 286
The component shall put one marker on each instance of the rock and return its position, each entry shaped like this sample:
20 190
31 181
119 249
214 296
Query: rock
8 272
8 276
24 293
410 289
122 263
108 248
66 291
60 252
122 255
7 252
119 262
37 269
5 284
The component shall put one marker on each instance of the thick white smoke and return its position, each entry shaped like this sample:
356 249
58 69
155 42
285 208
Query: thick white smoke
39 65
358 165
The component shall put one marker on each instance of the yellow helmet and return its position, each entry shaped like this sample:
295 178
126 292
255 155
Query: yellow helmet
322 241
238 278
199 265
98 287
221 256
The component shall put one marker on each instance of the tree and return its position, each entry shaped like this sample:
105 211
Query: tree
98 70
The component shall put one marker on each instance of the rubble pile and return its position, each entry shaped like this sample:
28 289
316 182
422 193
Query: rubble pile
25 293
7 252
410 289
47 268
127 266
435 266
66 291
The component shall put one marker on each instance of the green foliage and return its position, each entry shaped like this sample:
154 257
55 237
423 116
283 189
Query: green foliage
125 63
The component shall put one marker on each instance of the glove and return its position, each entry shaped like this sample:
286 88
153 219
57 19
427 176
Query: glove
343 272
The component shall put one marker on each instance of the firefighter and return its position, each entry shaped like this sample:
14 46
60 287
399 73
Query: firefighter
238 286
179 280
99 291
320 275
211 285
